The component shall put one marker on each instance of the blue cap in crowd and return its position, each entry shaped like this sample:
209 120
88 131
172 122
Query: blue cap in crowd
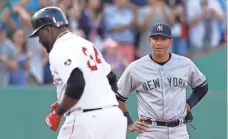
161 29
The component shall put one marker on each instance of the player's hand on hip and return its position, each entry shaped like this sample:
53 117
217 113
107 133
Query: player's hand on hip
188 107
54 106
53 120
139 126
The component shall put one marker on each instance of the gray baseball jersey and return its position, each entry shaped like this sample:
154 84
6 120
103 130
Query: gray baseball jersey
160 89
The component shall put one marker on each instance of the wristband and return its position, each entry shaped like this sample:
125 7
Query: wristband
192 100
60 111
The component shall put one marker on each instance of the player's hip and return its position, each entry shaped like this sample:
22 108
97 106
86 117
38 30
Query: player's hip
164 123
163 132
85 106
95 124
160 115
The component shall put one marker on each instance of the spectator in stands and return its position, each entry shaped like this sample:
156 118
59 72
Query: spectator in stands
20 76
20 15
119 21
47 74
65 6
108 2
5 15
45 3
8 56
139 3
32 6
80 33
38 59
91 20
73 10
223 25
74 16
155 12
203 17
116 60
179 27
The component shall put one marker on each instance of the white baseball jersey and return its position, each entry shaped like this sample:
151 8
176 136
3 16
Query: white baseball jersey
71 51
160 89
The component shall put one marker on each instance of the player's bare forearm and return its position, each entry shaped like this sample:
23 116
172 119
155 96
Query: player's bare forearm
54 118
68 103
138 126
74 91
122 106
217 17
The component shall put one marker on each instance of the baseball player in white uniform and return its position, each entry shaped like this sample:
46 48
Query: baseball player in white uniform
160 80
85 84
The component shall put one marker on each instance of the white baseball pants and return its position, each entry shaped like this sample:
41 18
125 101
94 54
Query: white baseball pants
162 132
107 123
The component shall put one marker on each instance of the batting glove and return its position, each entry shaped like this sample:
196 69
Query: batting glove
54 106
53 120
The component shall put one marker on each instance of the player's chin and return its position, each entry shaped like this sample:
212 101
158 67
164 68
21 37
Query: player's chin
46 47
159 52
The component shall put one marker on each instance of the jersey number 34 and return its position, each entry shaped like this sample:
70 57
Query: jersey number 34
92 63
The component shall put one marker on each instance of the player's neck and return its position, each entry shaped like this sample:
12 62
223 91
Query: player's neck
62 33
161 58
57 34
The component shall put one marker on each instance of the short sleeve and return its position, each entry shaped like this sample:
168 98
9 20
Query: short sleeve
196 78
125 83
63 63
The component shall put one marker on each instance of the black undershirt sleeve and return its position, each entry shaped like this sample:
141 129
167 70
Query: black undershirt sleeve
75 84
197 94
112 81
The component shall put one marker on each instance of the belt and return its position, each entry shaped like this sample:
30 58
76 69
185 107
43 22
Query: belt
89 110
162 123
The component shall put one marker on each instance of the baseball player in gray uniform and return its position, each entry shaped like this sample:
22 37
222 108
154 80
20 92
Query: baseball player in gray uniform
160 80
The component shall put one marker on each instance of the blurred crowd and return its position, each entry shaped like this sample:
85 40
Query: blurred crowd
118 28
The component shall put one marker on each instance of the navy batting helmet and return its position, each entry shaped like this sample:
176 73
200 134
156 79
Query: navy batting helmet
48 16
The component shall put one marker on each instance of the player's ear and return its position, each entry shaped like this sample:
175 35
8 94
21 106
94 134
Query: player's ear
49 30
170 42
